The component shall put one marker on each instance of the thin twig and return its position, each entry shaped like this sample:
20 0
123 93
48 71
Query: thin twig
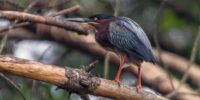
192 58
3 42
155 36
106 65
44 52
67 10
32 4
58 5
117 6
90 66
14 26
59 59
14 85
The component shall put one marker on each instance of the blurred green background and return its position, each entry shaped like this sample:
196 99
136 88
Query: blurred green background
175 23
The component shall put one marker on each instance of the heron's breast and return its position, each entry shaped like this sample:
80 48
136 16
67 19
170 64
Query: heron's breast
101 37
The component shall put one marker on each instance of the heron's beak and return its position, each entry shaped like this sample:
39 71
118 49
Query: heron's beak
91 22
82 20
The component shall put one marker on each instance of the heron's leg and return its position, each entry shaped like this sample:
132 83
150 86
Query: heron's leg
139 85
122 61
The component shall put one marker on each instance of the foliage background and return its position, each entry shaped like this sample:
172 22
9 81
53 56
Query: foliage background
176 25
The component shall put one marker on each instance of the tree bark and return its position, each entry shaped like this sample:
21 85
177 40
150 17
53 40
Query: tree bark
74 80
83 29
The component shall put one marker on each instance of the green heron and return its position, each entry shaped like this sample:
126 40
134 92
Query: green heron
125 36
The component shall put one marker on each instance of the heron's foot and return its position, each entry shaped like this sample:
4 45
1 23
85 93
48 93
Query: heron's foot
139 87
117 81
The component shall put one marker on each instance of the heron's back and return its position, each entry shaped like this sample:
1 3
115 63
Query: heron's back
127 36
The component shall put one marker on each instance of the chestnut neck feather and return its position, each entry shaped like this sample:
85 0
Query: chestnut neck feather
102 33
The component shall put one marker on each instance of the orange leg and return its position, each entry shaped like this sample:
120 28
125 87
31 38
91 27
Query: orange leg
139 85
122 61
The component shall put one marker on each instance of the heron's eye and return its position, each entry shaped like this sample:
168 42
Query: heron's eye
95 18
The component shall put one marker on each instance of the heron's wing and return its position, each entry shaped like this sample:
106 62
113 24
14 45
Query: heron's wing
136 28
129 37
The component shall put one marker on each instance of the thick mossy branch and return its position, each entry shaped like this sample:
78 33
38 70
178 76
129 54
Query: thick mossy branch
74 80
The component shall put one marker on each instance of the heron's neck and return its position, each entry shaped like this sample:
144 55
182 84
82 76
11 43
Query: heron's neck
102 33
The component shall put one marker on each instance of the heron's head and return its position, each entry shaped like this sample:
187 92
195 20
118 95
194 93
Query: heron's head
100 20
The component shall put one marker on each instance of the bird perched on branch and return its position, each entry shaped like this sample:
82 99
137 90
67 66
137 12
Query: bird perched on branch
124 36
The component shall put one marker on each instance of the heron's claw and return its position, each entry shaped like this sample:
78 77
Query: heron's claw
138 87
117 81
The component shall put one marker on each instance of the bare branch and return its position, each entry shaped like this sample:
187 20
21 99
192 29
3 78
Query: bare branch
75 80
67 10
91 66
117 6
83 29
13 26
14 85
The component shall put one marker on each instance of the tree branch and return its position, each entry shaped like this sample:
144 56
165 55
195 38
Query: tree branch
82 29
64 11
75 80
